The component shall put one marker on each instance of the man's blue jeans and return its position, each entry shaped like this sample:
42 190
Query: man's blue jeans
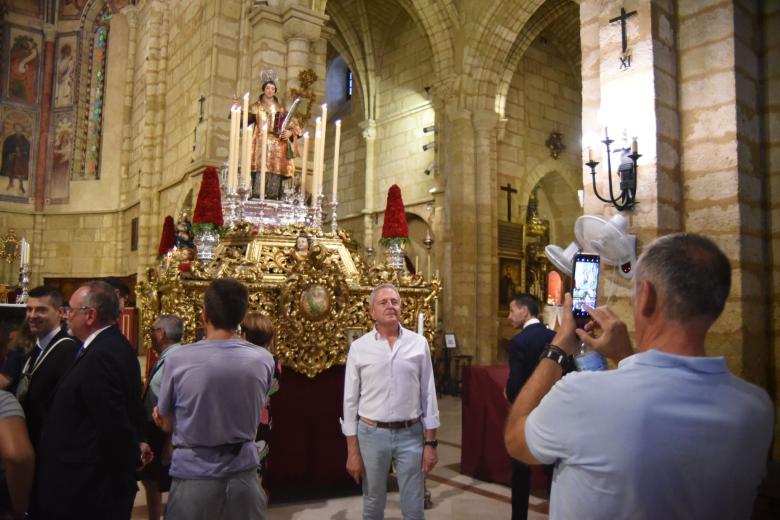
380 446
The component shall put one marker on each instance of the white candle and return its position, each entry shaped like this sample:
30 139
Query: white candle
263 154
428 271
634 146
303 163
417 264
420 323
24 252
336 161
246 167
435 313
245 139
317 165
232 148
590 154
323 130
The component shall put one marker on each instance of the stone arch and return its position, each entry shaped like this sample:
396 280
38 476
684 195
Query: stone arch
559 194
550 12
495 35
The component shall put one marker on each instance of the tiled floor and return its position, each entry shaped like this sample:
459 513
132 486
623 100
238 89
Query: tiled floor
454 496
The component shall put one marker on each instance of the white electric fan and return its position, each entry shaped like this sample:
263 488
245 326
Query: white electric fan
608 238
562 259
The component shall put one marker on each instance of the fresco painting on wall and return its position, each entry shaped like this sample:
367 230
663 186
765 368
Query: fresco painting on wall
71 8
65 78
61 158
24 61
17 160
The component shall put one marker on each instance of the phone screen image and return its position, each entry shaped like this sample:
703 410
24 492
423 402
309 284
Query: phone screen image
586 283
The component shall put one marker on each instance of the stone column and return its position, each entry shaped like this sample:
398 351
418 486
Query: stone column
49 33
485 187
369 134
300 27
458 241
154 103
131 15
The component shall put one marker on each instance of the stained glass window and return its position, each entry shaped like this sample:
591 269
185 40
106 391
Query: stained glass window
97 83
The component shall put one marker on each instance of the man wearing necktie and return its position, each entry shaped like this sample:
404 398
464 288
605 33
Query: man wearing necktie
48 361
166 333
90 444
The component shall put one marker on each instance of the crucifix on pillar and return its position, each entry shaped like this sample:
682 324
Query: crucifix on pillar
625 57
509 191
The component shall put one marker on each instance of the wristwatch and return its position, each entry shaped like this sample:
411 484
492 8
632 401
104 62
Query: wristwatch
433 444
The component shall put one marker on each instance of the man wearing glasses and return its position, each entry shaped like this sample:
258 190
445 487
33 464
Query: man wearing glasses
89 447
48 361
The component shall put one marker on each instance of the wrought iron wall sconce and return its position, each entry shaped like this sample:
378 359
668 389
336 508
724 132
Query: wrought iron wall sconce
626 172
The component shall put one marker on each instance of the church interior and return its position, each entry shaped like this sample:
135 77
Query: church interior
501 122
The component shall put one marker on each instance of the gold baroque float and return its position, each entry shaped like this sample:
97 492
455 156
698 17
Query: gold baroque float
318 300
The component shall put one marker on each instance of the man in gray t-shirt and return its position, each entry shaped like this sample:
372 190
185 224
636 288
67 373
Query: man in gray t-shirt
16 455
211 397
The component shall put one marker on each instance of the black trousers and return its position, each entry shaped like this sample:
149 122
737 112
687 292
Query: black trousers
521 487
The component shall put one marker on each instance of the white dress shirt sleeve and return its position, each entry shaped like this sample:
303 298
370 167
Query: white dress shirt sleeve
428 401
351 395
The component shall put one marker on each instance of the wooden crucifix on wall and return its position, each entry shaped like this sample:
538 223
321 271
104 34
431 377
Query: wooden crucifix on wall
509 192
625 57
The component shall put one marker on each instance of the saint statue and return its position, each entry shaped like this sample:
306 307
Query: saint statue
282 142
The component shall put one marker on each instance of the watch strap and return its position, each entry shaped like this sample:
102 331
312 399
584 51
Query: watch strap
433 444
556 354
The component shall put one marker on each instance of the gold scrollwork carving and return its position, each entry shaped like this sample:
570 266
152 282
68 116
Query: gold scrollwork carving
314 299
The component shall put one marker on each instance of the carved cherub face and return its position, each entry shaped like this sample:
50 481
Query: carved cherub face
301 244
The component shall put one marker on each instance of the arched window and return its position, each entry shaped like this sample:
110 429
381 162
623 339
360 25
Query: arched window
93 124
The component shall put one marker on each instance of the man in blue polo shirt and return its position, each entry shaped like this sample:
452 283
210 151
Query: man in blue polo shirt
211 397
670 433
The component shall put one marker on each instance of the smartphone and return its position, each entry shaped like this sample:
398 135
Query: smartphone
586 285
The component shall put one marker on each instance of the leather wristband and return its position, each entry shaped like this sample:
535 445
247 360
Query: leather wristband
557 354
433 444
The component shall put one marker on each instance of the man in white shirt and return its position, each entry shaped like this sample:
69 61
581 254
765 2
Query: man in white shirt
389 408
671 433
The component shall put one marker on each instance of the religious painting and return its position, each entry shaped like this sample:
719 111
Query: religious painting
61 158
28 7
71 8
24 61
65 71
16 162
509 280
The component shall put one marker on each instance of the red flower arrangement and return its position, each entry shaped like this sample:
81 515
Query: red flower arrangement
208 208
395 229
168 237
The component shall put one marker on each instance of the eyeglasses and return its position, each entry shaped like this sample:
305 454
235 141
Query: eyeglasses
71 310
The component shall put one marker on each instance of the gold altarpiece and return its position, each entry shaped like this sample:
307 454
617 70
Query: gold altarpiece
318 301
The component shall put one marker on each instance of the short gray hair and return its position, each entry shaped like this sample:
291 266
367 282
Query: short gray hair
101 297
378 288
691 274
172 325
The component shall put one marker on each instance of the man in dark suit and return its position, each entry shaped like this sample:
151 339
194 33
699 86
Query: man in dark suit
89 447
524 351
48 361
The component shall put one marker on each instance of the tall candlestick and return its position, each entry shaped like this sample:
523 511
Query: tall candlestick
435 313
232 148
263 153
420 323
246 164
428 271
416 264
336 161
303 163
